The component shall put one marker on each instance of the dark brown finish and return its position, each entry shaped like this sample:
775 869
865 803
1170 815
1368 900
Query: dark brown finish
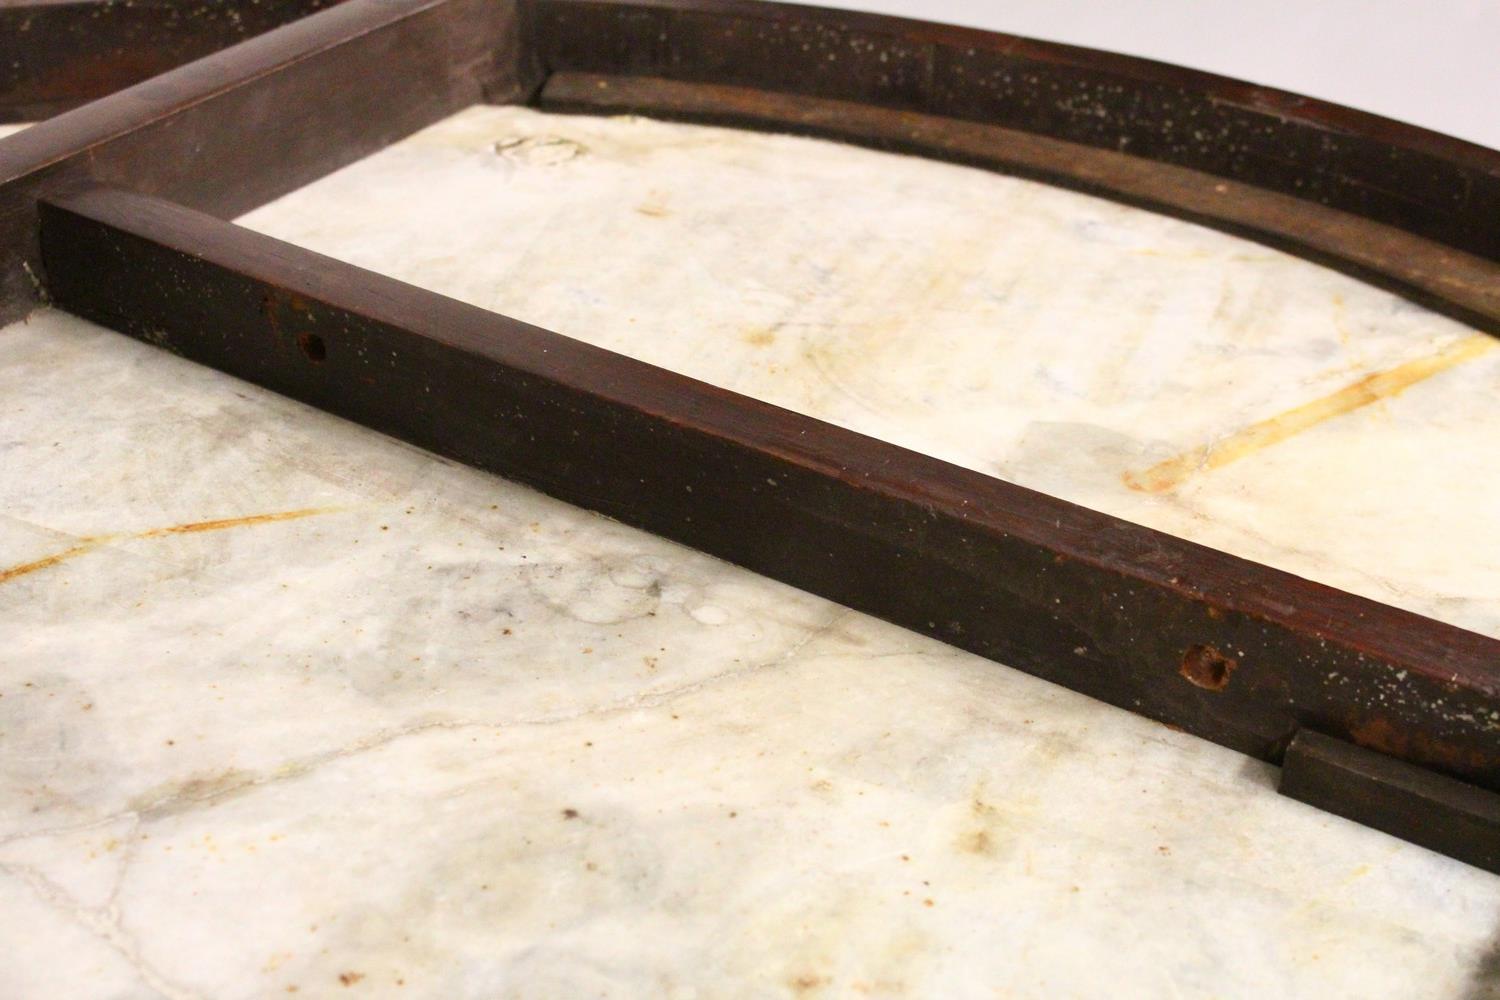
227 133
58 54
1235 652
1428 184
1438 276
1238 653
1409 802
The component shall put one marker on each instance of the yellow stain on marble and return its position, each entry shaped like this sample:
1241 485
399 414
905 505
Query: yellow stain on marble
7 575
235 522
91 542
1248 257
1372 388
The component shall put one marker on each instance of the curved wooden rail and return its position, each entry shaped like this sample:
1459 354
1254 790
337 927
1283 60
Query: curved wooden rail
1408 209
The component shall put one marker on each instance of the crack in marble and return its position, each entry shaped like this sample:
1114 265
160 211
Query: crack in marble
104 923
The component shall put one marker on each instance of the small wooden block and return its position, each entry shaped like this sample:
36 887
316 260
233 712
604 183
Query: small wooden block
1429 809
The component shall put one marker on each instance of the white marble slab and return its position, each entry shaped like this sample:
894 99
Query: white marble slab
288 707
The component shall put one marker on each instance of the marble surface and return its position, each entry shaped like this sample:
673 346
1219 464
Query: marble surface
289 708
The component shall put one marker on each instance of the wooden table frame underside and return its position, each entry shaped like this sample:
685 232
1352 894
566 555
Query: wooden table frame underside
115 211
56 55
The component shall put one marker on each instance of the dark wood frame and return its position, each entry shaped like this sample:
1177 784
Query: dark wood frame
115 211
56 55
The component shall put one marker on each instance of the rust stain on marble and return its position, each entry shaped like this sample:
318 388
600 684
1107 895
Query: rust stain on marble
1372 388
7 575
89 543
234 522
654 207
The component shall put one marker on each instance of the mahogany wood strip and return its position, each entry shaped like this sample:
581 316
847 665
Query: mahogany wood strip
58 54
243 126
1432 810
1446 280
1393 204
1230 650
1398 206
1431 185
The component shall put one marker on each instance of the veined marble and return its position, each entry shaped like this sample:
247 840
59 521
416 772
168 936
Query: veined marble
289 708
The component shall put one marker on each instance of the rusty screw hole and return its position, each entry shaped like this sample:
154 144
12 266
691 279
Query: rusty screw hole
312 345
1207 667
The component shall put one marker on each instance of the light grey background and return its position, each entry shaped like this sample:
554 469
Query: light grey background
1435 64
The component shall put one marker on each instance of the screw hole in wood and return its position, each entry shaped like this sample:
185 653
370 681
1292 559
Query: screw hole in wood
1206 667
312 347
